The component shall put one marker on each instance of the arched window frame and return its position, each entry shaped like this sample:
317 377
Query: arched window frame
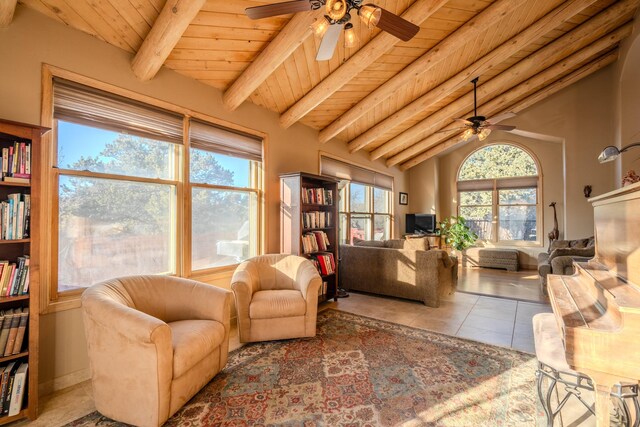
495 185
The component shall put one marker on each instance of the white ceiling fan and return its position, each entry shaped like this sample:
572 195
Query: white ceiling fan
337 17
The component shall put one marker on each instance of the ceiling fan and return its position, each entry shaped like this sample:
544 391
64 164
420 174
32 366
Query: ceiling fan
338 16
480 126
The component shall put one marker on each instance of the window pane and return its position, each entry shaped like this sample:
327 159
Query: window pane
517 223
498 161
218 169
224 227
111 228
97 150
524 196
343 228
380 201
382 230
342 195
360 227
358 198
474 198
479 220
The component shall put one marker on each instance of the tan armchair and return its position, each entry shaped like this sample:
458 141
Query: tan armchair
276 297
153 342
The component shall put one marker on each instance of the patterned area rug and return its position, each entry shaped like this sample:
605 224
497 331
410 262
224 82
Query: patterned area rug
359 371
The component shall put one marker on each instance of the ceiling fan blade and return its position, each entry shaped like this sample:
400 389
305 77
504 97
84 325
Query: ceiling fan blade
536 135
397 26
329 43
465 121
284 8
506 128
500 117
452 130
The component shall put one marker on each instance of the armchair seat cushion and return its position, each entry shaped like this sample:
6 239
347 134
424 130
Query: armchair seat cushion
192 341
276 304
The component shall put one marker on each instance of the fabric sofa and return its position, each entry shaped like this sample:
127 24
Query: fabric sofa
153 343
561 255
399 268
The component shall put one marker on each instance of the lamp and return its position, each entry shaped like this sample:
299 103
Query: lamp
336 9
320 26
483 134
611 153
349 36
370 14
468 134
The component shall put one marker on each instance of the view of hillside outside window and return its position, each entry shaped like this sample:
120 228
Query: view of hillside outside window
498 194
119 171
365 212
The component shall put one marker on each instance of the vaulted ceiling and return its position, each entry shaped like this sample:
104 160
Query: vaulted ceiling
394 99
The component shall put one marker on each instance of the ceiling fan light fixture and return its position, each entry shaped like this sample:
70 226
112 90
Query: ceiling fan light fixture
350 38
320 26
483 134
468 134
370 14
336 9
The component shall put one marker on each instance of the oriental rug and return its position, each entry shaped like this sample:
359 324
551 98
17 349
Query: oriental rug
360 371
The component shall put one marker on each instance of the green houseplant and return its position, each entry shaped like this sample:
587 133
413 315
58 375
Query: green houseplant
457 233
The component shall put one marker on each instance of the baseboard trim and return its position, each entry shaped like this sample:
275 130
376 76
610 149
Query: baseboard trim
64 381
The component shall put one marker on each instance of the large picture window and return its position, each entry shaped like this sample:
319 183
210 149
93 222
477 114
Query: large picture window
498 194
132 178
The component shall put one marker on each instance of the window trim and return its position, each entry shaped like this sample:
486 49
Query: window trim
493 185
369 200
50 299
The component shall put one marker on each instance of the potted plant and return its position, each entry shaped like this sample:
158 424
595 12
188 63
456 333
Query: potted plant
457 233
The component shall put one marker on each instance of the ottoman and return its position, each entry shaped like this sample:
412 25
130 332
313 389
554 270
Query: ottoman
493 258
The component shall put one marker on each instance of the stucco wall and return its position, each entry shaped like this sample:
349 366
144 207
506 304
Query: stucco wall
33 39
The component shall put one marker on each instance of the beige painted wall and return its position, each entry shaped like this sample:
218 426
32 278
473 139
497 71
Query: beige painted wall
33 39
582 117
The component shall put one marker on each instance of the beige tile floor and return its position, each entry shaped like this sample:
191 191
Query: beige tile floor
496 321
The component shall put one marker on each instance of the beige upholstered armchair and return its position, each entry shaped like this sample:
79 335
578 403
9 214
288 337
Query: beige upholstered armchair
154 342
276 297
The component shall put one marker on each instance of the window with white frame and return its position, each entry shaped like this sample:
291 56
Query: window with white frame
499 193
365 206
126 187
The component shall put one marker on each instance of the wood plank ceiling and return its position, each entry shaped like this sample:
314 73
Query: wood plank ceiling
385 96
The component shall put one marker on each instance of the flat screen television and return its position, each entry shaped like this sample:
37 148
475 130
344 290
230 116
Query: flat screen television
420 223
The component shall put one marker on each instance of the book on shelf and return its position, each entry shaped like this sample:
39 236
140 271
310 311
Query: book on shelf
325 263
14 277
15 213
4 387
6 401
317 196
22 329
315 241
317 219
16 163
322 290
7 318
17 391
13 332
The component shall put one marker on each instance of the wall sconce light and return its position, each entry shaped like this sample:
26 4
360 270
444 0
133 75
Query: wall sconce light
611 153
587 191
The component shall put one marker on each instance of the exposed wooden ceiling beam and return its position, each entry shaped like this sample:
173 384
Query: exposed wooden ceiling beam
173 20
544 93
532 33
7 8
283 45
378 46
421 65
579 37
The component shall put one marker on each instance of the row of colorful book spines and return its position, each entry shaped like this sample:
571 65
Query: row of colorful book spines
12 387
16 160
315 242
322 290
14 279
316 219
326 264
318 196
15 218
12 332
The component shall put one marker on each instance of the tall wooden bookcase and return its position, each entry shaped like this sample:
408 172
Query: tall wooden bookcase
10 250
298 193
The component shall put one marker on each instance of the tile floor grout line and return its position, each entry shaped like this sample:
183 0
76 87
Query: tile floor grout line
515 316
465 317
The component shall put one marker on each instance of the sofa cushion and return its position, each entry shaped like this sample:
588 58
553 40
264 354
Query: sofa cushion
276 304
192 340
369 243
417 244
394 244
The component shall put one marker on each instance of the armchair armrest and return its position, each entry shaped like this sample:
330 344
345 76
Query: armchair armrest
308 281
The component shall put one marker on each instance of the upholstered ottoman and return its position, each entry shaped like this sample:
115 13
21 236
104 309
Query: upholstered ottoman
492 257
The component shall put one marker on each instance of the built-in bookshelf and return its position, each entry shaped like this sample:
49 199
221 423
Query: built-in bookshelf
309 224
19 308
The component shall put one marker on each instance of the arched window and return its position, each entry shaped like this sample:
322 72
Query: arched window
498 194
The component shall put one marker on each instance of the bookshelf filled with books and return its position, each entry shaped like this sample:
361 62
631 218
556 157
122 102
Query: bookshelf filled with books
19 308
309 224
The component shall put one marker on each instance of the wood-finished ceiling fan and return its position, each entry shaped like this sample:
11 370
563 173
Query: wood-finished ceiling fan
338 16
479 126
